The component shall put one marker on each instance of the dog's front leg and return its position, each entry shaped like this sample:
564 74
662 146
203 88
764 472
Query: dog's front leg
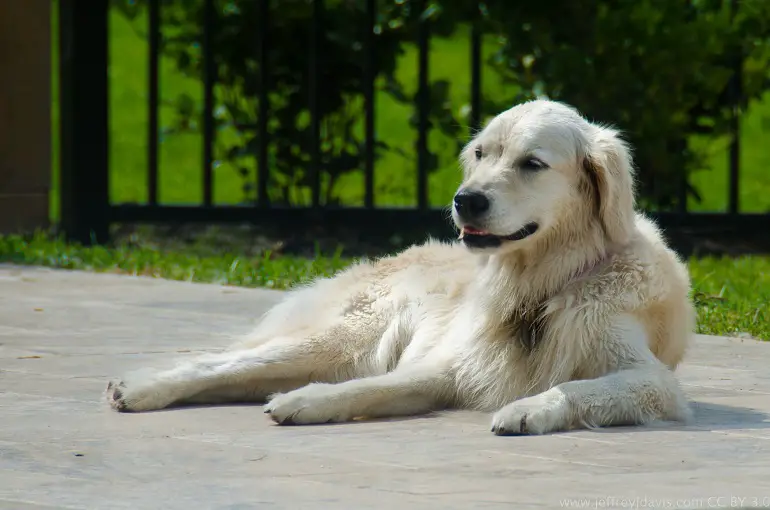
627 397
641 389
405 391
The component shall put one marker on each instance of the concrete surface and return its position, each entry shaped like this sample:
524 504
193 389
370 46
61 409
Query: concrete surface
63 334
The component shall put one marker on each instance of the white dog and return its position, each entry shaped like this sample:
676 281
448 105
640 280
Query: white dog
560 308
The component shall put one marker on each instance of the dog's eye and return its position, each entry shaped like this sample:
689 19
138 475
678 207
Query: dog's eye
478 153
532 164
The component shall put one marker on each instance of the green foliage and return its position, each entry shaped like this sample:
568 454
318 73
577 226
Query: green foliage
657 69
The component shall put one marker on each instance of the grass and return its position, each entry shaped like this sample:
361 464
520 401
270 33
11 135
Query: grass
395 174
199 264
731 294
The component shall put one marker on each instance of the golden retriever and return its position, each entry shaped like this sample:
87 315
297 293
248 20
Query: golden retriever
560 307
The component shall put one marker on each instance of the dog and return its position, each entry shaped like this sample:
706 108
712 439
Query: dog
560 306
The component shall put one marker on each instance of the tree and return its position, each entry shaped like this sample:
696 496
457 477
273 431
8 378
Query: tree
660 70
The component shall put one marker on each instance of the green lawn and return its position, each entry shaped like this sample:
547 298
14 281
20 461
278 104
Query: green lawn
395 174
731 295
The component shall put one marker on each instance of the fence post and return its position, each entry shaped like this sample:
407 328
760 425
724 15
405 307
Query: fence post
84 123
735 97
25 115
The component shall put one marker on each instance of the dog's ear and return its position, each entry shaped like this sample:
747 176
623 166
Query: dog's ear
608 161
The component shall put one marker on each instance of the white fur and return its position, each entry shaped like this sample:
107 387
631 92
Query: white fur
439 325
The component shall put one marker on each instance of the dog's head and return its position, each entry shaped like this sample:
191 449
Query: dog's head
541 166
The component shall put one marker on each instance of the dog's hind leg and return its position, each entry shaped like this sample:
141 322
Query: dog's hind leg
243 375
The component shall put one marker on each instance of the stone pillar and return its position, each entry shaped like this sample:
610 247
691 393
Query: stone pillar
25 114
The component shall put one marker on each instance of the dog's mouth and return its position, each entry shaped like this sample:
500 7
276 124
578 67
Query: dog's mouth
477 238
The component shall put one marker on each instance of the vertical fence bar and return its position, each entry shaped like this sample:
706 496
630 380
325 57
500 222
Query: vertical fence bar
152 145
83 47
315 114
735 92
263 170
370 66
209 78
680 147
733 205
475 119
423 107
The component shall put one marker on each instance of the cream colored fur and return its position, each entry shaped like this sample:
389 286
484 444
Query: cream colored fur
442 326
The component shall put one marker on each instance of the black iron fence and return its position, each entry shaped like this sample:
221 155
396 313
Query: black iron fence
87 211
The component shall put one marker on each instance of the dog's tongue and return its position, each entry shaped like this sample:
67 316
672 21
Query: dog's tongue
472 231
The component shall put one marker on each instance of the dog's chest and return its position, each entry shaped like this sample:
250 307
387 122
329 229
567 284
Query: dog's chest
502 365
524 328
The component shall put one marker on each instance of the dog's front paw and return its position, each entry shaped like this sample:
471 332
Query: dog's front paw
541 414
315 403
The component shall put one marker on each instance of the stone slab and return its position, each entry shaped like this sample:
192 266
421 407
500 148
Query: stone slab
63 334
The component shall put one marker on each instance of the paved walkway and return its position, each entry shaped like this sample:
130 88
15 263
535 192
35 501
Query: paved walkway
63 334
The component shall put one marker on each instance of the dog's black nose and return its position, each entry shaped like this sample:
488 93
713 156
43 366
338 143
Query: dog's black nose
471 204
